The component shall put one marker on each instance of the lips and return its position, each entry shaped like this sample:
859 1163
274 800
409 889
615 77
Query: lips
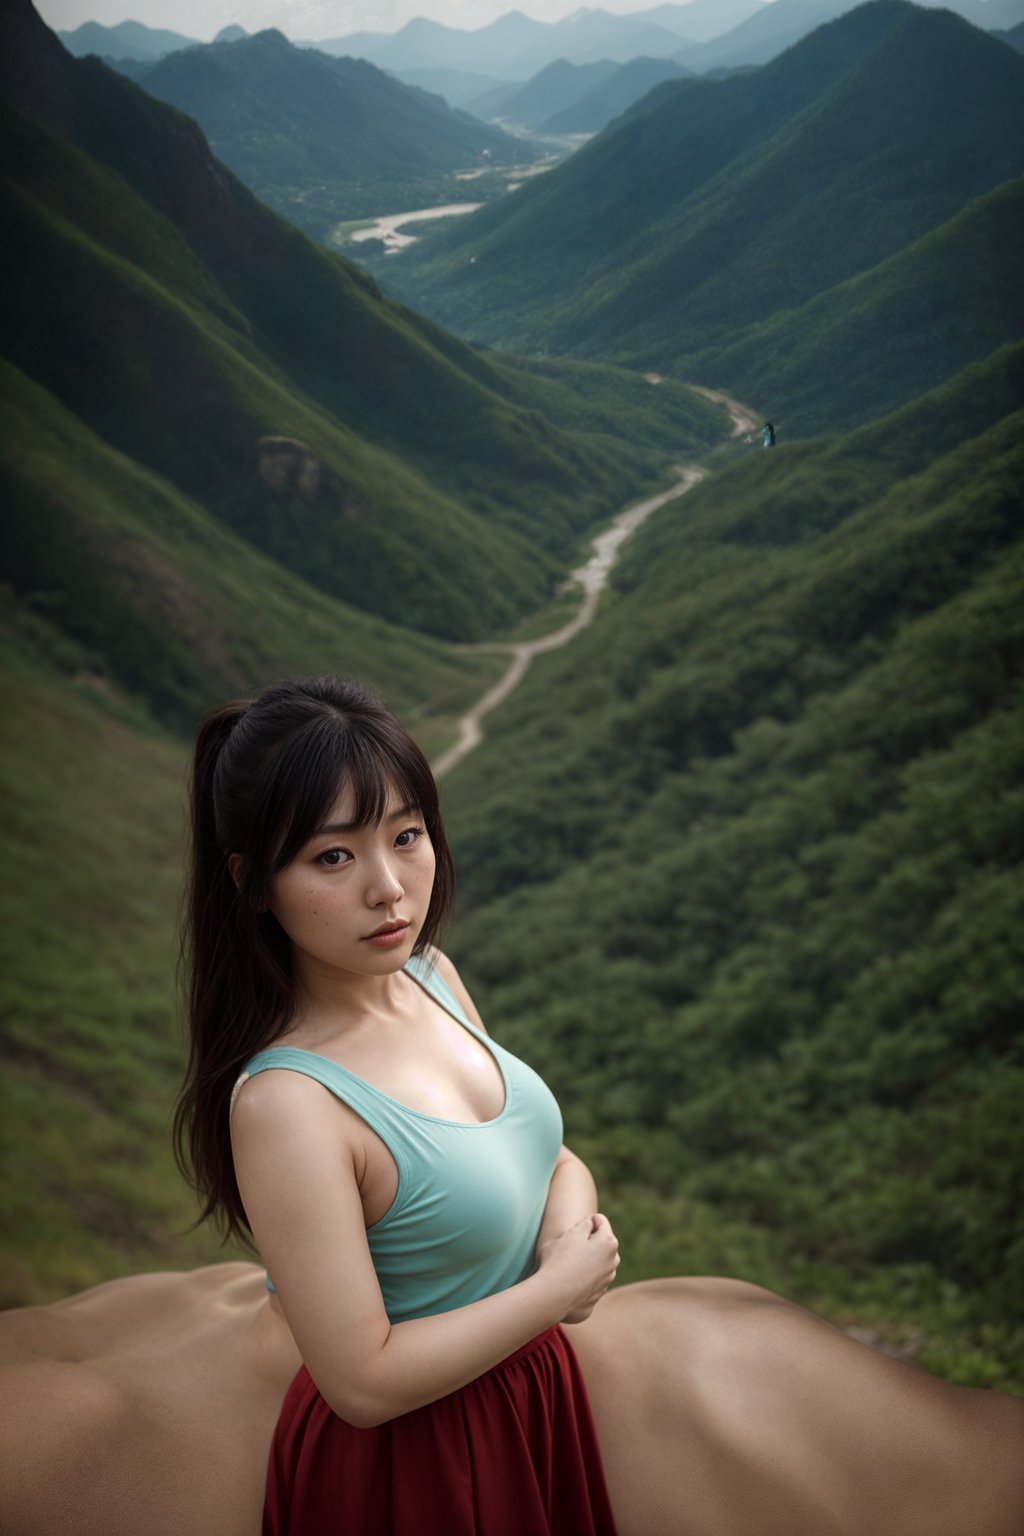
388 930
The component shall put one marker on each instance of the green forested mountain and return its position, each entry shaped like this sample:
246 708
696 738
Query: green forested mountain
769 29
595 109
715 206
741 874
323 139
555 87
869 344
196 332
163 600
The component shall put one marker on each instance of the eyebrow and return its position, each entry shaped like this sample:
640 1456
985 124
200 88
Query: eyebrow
341 827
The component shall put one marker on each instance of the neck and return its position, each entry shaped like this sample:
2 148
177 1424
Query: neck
324 995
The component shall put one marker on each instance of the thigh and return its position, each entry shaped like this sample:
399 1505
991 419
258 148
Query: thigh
147 1404
724 1410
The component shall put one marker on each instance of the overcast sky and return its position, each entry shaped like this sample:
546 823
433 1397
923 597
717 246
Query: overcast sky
202 19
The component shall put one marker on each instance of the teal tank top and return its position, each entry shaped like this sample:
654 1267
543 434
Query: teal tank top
464 1221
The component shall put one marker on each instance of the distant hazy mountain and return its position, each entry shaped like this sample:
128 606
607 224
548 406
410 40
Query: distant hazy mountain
557 86
128 40
700 20
612 96
713 207
512 48
458 87
1015 38
773 27
320 138
765 34
232 34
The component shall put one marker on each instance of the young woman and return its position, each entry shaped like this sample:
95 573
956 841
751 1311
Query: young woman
428 1236
403 1177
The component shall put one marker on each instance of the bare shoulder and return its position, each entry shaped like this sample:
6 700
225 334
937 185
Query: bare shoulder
286 1115
264 1099
448 973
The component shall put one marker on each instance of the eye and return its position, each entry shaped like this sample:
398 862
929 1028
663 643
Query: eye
409 838
333 858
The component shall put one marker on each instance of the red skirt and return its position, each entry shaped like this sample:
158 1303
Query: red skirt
513 1453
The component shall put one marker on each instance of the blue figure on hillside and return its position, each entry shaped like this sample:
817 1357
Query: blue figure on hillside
768 435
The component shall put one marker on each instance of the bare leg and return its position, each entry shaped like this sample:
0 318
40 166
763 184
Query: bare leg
144 1405
723 1410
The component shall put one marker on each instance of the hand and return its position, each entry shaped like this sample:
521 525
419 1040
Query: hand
582 1260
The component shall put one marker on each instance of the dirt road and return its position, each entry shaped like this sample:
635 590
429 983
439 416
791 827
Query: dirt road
592 578
743 418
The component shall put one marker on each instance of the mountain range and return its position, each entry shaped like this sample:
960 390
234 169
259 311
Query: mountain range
574 98
183 333
714 209
127 40
323 139
704 35
514 47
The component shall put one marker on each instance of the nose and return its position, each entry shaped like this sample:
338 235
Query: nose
383 887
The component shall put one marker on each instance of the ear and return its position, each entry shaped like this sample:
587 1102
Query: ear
236 864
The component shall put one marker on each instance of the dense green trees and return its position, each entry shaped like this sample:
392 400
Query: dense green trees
754 902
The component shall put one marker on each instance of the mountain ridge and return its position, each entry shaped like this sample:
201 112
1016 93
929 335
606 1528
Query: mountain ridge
323 139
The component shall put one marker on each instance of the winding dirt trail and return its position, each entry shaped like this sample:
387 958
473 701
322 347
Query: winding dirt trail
592 578
743 419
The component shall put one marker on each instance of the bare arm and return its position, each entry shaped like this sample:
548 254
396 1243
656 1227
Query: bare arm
297 1156
572 1195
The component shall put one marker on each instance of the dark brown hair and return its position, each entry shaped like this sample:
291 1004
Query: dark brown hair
266 771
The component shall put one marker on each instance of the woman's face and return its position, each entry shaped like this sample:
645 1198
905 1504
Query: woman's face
355 898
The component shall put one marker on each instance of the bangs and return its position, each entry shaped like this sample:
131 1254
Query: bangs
334 754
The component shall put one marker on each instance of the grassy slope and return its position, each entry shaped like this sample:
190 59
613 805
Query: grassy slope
741 876
91 844
866 345
173 606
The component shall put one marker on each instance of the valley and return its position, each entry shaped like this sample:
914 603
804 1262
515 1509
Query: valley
760 733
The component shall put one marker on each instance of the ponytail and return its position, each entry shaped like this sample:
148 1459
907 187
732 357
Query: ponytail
233 1005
